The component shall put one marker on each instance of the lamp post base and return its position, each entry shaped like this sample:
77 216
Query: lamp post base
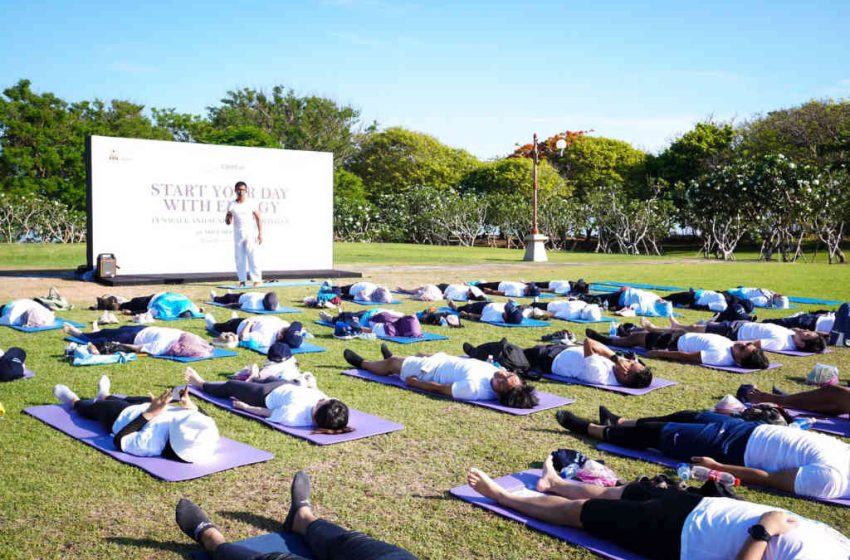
535 248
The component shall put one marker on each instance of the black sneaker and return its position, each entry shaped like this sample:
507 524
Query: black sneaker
558 335
597 336
743 392
469 350
191 519
777 391
386 352
352 358
300 497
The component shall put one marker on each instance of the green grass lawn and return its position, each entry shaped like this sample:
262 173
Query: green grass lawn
59 498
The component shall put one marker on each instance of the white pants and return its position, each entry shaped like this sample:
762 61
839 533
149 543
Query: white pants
246 251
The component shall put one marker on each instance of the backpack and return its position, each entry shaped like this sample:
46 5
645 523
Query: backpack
840 333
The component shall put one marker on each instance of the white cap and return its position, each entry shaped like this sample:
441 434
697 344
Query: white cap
729 405
194 437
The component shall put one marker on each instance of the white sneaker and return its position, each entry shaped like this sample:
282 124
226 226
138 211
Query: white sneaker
64 394
210 321
213 295
112 318
103 386
234 315
95 327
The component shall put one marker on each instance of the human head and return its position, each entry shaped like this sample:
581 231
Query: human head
809 341
226 340
632 373
279 352
241 190
193 437
504 381
532 290
520 397
190 345
748 355
331 414
382 295
512 314
270 301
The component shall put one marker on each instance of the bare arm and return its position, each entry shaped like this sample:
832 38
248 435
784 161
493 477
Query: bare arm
592 347
258 410
258 218
688 357
430 386
775 523
781 480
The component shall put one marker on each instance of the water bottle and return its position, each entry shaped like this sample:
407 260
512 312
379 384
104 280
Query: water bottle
443 322
490 359
569 471
697 472
802 423
605 305
536 299
612 329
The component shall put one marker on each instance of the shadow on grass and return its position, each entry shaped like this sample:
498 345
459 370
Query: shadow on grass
267 524
186 550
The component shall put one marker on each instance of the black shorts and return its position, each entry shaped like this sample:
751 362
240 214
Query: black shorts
726 329
662 340
541 357
646 520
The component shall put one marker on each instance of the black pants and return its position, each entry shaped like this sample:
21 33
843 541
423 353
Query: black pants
106 411
122 335
683 299
137 304
327 541
612 299
805 321
347 316
488 285
246 391
541 357
228 299
228 326
476 308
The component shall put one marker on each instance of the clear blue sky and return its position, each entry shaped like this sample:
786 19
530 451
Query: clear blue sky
480 75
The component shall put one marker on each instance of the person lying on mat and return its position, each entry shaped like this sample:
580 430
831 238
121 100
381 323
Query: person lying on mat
820 321
772 337
510 289
697 348
760 297
26 313
263 331
451 376
668 523
641 302
148 426
797 461
365 291
462 292
291 403
250 301
831 400
155 341
566 287
12 364
324 538
162 305
382 322
592 362
707 300
435 317
497 312
569 310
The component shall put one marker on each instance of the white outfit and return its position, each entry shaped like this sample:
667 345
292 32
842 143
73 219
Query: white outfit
772 337
591 369
264 331
760 297
824 322
715 301
14 311
292 405
362 291
512 289
457 292
494 312
245 240
252 302
643 302
716 529
569 310
469 378
714 350
560 286
429 292
150 441
156 340
823 461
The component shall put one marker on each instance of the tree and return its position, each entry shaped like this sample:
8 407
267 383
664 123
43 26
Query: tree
396 159
831 210
592 162
514 175
706 146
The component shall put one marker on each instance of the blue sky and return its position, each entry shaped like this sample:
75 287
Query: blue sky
478 75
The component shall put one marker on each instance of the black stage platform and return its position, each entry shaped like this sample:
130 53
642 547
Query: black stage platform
269 276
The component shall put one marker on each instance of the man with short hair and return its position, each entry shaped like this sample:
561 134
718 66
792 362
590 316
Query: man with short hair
244 215
497 312
510 289
251 301
262 331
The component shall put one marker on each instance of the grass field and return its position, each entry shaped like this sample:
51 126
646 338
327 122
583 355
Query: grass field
59 498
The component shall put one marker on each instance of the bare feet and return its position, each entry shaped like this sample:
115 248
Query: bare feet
550 476
646 323
757 396
254 372
325 316
452 304
95 327
674 323
192 378
71 329
484 485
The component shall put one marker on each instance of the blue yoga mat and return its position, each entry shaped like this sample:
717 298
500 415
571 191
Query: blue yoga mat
815 301
305 348
57 324
588 321
284 284
643 286
269 543
526 322
217 352
277 311
361 302
426 336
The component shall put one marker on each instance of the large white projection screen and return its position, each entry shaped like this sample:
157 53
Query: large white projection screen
159 207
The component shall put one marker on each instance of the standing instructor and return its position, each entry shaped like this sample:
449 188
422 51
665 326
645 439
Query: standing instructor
239 214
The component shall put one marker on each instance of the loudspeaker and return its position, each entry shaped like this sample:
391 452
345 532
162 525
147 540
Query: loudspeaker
107 266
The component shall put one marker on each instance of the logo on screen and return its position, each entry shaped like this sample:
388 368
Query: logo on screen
113 155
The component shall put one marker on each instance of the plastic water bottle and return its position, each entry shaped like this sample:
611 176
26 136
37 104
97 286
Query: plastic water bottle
697 472
605 305
802 423
612 329
569 471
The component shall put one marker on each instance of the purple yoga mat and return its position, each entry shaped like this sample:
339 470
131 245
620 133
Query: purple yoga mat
657 383
280 309
528 479
547 400
365 425
654 456
230 454
641 351
835 425
797 353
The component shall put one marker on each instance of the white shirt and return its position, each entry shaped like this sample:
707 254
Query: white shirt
591 369
494 312
512 289
156 340
641 301
469 378
252 301
292 405
823 461
14 310
265 329
244 225
714 350
151 440
773 337
715 301
824 322
560 286
566 310
362 290
430 292
456 292
716 529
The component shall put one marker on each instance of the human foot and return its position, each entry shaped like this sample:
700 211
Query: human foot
597 336
192 378
646 323
352 358
550 477
571 422
192 520
64 394
299 499
103 386
325 316
607 418
386 352
71 329
479 481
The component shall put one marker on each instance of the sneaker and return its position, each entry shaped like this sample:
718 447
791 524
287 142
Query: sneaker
744 391
558 335
234 315
352 358
342 331
113 320
64 394
192 520
103 386
597 336
209 320
213 295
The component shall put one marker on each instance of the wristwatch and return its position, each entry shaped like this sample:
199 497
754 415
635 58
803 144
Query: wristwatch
759 533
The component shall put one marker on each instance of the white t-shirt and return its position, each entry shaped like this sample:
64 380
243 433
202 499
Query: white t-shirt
156 340
568 310
292 405
714 350
512 289
14 310
823 460
824 322
560 286
150 441
244 225
714 300
430 292
469 378
641 301
265 329
773 337
252 301
494 312
362 290
456 292
716 529
591 369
